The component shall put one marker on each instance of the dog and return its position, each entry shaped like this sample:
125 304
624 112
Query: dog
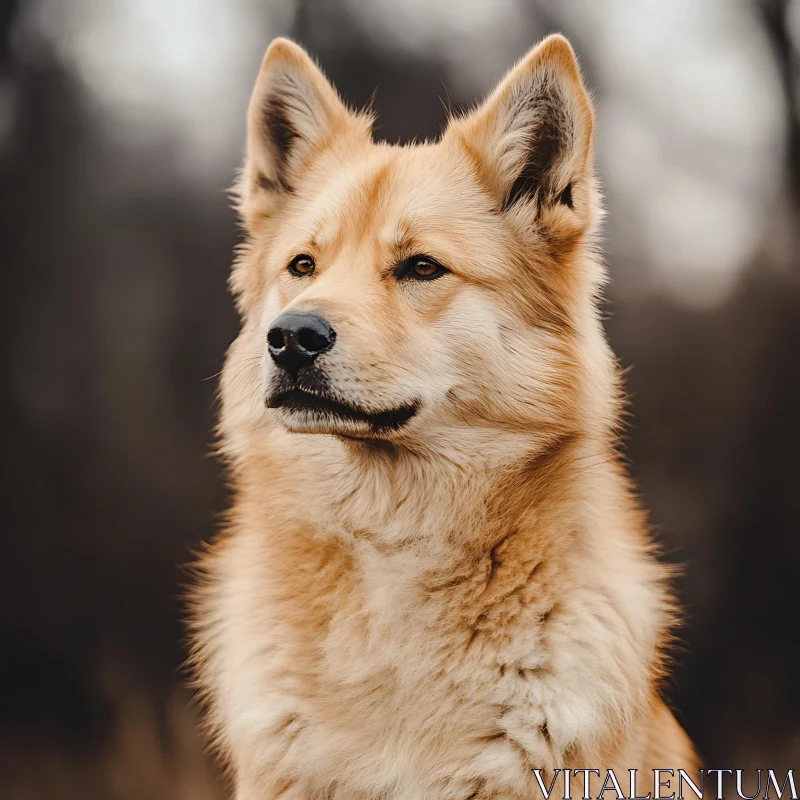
435 581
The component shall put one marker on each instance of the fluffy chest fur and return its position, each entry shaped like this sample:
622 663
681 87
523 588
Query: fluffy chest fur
365 663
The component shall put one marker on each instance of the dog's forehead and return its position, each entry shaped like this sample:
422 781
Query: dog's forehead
395 195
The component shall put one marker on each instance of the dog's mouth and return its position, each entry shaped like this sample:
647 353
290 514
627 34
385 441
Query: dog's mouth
319 408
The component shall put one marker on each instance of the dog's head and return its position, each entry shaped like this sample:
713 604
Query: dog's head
408 292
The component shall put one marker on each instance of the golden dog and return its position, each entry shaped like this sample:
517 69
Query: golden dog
435 578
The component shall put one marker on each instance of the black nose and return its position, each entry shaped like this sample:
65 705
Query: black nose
295 339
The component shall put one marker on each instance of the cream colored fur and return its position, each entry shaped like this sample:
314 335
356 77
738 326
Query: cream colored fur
432 611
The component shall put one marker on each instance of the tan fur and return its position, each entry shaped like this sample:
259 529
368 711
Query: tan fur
434 611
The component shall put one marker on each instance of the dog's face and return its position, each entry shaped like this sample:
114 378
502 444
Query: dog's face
405 292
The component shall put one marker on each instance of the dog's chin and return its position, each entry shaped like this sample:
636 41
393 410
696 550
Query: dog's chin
297 421
299 411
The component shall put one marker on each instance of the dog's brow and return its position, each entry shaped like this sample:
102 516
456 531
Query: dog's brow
404 247
310 232
398 245
403 242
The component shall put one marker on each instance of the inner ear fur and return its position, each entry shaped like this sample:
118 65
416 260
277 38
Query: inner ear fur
531 140
293 115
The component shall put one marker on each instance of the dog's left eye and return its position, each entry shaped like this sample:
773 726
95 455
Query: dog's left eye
420 268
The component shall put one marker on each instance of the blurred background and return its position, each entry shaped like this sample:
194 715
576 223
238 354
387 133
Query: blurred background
122 125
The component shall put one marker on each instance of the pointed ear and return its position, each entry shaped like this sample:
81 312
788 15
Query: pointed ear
532 140
294 113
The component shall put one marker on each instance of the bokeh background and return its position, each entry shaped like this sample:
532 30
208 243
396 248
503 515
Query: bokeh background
122 125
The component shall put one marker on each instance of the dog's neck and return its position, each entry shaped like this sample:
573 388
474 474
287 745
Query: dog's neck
426 541
414 528
441 508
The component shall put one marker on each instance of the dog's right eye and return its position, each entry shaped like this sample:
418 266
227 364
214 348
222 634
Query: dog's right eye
302 266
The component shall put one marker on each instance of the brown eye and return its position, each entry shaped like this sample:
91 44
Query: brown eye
421 268
301 266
